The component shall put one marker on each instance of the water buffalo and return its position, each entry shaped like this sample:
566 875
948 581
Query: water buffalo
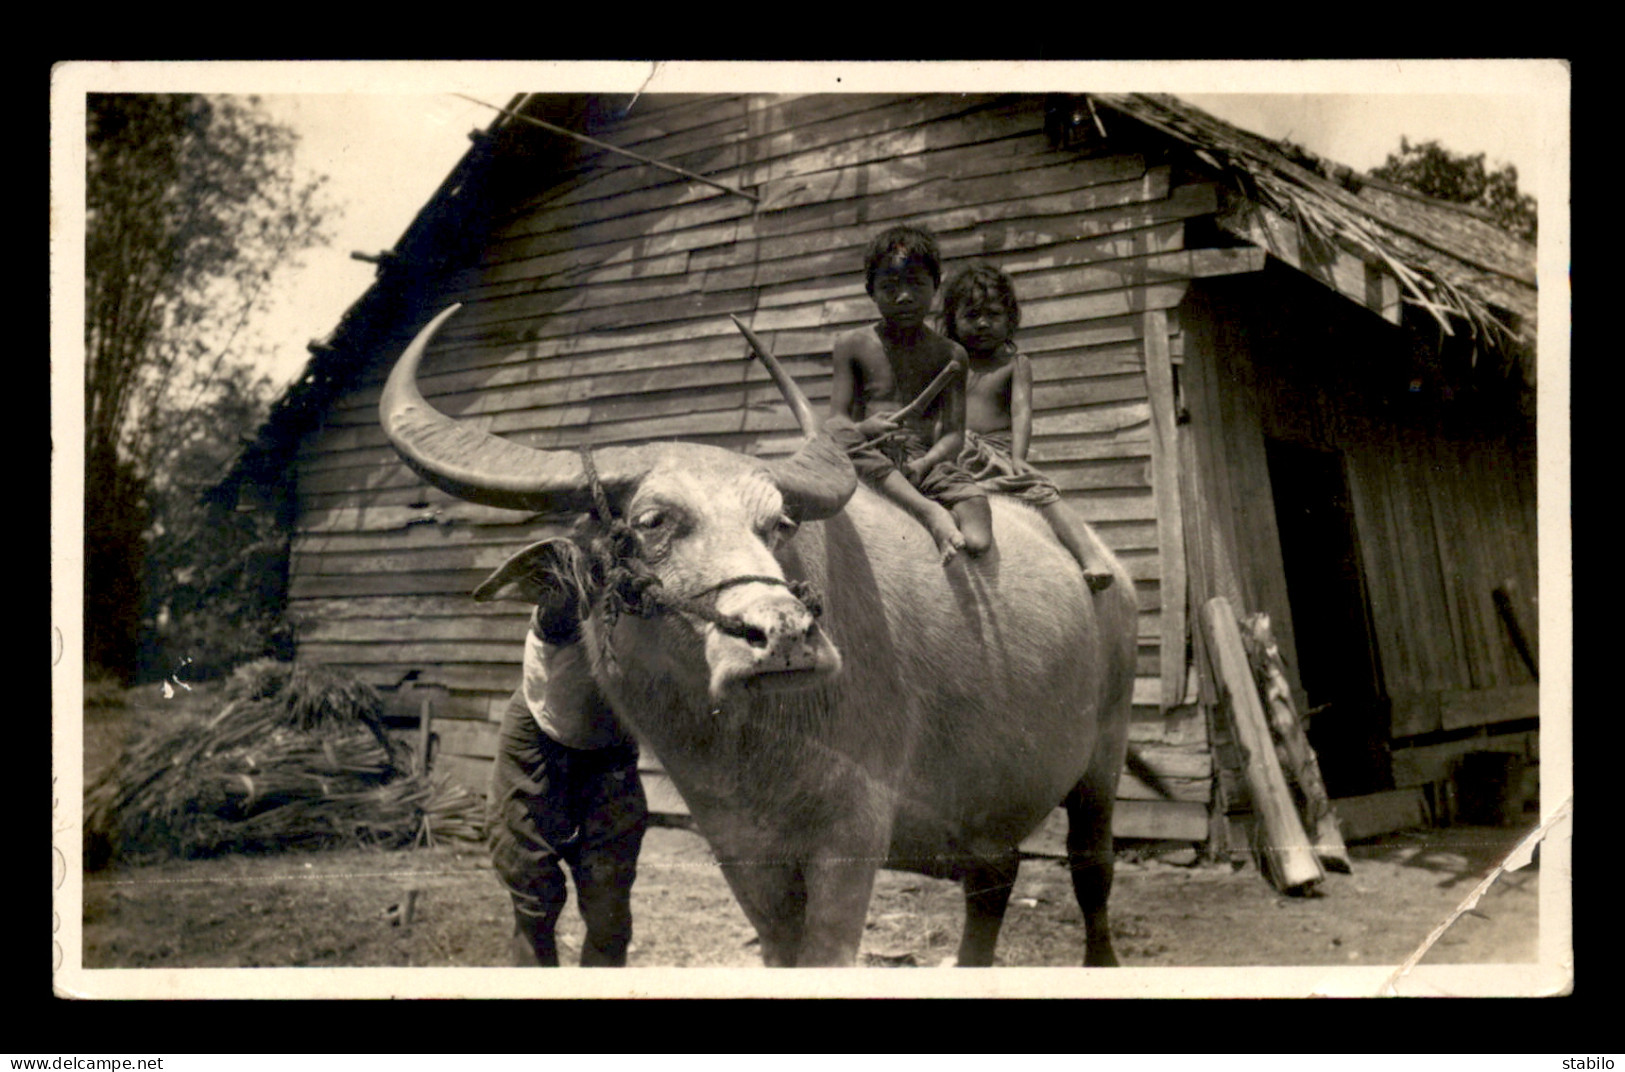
826 696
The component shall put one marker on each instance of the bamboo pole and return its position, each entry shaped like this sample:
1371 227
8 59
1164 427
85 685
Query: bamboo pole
1285 853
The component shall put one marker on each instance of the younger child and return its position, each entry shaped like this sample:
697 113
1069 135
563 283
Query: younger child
980 312
880 369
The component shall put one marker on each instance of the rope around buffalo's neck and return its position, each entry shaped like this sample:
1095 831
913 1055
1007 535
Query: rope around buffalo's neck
626 585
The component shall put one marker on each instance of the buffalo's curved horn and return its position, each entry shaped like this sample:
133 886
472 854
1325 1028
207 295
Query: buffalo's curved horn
805 415
818 479
472 464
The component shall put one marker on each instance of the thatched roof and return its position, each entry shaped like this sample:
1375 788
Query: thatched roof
1448 259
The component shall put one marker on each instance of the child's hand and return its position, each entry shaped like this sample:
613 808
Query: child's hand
914 470
873 427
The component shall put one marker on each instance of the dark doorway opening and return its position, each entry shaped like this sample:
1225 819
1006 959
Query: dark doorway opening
1331 619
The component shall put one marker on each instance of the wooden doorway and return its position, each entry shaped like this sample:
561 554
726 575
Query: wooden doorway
1338 664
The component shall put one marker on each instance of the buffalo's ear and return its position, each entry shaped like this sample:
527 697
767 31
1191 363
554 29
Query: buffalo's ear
818 479
549 573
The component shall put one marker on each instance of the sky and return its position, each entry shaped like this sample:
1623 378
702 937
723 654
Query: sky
387 134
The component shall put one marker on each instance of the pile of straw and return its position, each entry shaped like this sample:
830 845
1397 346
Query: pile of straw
297 757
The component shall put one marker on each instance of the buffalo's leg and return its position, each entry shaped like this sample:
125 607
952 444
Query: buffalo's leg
838 892
1089 858
987 893
774 899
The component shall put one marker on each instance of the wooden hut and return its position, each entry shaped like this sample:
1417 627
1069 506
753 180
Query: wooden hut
1256 376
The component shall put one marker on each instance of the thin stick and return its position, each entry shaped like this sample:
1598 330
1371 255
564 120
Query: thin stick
607 147
931 391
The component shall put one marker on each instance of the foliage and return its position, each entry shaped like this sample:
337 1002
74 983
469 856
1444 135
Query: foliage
215 576
193 206
1429 168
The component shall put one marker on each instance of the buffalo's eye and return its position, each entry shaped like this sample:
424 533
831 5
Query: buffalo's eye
779 529
650 520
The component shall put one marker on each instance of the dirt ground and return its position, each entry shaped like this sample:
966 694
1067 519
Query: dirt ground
444 907
347 908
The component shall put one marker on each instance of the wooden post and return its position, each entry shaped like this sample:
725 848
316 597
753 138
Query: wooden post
1292 745
425 716
1286 854
1165 483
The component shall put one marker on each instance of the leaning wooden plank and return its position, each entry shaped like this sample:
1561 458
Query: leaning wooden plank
1292 744
1287 856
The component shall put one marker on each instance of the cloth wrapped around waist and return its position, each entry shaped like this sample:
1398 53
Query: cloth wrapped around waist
989 459
873 460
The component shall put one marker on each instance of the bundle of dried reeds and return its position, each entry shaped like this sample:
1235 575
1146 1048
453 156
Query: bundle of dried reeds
297 757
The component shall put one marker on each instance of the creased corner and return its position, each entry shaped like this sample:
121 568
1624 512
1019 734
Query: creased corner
1518 858
654 69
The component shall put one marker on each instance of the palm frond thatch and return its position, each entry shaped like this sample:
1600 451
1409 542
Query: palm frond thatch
1462 271
296 757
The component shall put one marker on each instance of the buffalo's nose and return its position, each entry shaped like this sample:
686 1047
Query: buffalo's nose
782 636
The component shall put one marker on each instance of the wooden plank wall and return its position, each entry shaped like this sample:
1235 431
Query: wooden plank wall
1443 498
599 314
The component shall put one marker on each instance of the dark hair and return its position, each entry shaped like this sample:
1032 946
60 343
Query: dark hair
914 243
979 283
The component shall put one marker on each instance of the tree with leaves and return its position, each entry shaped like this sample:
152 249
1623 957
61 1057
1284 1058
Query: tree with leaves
1429 168
193 206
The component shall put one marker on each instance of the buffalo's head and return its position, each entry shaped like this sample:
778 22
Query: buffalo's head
682 534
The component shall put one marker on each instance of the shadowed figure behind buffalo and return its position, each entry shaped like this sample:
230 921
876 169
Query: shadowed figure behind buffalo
825 695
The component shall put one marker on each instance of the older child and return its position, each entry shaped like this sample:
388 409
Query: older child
565 785
880 369
980 312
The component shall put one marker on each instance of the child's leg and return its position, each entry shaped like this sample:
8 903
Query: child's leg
1076 536
975 520
934 516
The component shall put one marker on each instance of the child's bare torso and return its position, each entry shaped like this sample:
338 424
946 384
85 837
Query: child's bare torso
887 374
987 395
